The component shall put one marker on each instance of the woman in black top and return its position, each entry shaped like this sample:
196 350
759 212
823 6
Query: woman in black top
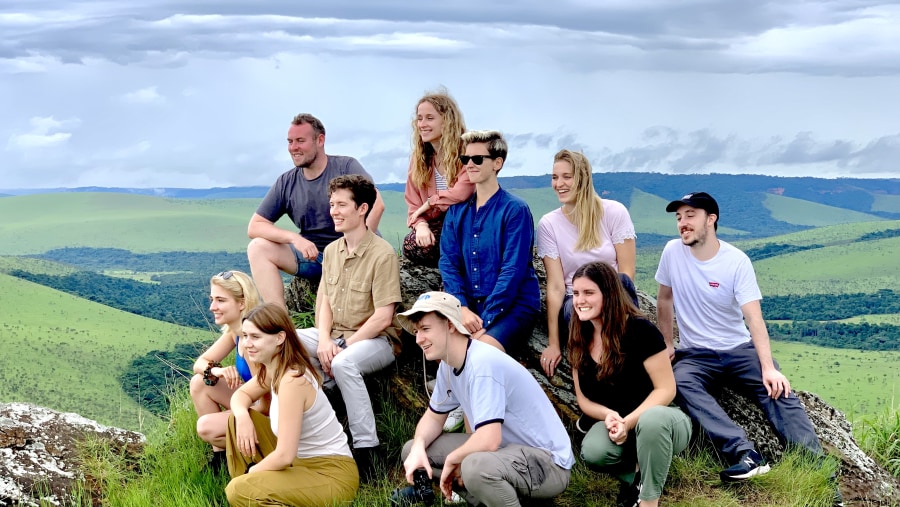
624 378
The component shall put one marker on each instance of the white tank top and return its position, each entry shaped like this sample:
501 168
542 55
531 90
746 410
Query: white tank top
321 434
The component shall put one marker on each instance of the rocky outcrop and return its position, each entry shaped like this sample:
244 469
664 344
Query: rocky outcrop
39 452
862 480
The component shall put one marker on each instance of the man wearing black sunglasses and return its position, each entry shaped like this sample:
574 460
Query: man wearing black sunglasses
486 251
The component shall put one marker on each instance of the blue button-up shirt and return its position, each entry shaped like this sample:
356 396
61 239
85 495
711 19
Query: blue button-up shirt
486 253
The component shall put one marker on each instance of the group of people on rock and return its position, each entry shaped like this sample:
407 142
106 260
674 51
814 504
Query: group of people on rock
270 423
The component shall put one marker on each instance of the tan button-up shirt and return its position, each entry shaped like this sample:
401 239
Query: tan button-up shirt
357 283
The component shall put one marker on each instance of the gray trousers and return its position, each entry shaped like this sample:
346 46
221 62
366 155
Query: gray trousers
501 477
697 371
660 434
348 368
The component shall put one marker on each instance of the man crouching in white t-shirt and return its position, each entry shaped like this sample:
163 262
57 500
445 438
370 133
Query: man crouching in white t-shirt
519 448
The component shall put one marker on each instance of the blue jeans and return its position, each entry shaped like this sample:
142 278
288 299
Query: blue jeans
311 270
698 370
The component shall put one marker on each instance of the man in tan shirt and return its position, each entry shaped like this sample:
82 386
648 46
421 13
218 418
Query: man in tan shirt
357 330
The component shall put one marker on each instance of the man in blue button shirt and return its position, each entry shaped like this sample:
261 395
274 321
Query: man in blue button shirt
486 251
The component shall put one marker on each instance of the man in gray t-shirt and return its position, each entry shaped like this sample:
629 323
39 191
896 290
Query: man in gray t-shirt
302 194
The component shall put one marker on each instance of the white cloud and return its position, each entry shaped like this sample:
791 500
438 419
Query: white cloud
147 95
43 133
30 141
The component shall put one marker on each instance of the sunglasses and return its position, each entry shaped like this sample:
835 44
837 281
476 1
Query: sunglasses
225 275
477 159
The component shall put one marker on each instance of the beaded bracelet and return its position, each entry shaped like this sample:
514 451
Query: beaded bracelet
208 378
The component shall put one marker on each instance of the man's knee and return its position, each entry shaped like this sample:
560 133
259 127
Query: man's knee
407 448
480 468
259 247
342 367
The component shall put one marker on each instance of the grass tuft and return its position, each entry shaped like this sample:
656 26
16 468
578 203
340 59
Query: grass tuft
880 438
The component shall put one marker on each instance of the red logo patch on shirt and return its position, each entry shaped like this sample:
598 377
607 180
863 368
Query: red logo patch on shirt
714 285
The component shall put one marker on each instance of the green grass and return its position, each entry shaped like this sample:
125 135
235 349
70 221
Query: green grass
172 472
802 212
37 266
828 235
66 353
879 436
889 318
37 223
859 383
864 266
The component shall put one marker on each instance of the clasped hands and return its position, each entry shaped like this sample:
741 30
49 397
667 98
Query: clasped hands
618 430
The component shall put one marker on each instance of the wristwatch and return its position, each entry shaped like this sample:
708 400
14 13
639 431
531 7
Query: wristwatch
341 342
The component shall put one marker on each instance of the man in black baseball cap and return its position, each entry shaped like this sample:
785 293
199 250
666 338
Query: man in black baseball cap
712 287
700 200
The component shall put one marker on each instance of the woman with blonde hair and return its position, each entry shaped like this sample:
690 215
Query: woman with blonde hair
232 295
435 179
299 455
584 228
623 377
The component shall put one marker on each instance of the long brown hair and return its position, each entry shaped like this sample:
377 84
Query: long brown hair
617 309
588 205
452 128
271 318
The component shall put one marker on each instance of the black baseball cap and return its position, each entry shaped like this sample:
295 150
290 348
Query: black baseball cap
700 200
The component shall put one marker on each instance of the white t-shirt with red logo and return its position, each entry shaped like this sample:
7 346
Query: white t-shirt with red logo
709 294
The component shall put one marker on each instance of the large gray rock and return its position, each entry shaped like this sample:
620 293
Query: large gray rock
39 452
861 478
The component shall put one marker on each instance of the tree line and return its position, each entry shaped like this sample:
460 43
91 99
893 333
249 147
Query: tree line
184 303
862 336
830 306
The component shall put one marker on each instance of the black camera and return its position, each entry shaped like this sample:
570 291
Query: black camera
420 491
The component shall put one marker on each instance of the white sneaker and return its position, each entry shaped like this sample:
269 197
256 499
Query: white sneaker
455 421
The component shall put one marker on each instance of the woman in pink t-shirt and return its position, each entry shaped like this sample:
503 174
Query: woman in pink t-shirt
585 228
435 179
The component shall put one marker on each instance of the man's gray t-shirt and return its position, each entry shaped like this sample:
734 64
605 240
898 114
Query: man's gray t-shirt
306 201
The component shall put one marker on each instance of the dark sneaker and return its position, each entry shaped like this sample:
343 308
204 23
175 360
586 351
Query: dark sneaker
628 493
750 465
218 463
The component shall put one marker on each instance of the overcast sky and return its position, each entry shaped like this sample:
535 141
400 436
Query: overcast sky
200 94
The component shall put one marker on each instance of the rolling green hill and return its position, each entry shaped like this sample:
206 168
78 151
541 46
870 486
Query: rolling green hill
853 267
66 353
37 223
37 266
800 212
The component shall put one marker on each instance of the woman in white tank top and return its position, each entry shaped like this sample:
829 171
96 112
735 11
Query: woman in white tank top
299 454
